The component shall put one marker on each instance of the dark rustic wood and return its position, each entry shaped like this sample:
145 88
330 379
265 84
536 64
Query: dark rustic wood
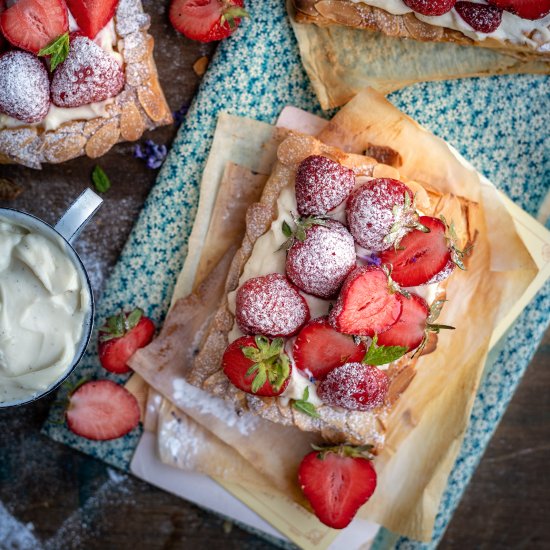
74 501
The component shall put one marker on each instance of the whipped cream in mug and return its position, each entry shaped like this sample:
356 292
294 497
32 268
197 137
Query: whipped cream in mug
44 307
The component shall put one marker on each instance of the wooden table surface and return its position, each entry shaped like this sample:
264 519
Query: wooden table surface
53 497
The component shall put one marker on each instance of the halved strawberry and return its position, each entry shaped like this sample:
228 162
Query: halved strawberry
367 304
206 20
421 255
102 410
321 185
430 7
480 17
92 15
121 337
526 9
337 481
257 365
33 24
354 386
319 348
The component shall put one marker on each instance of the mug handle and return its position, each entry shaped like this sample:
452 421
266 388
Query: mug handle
78 215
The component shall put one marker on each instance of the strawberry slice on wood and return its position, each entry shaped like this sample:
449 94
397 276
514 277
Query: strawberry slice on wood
337 481
257 365
319 349
206 20
121 337
33 24
526 9
102 410
92 15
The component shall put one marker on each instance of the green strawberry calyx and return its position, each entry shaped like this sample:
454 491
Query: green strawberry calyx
350 451
120 324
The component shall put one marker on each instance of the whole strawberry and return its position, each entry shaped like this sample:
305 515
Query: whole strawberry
526 9
480 17
337 481
321 185
320 262
354 386
270 305
257 365
206 20
430 7
121 337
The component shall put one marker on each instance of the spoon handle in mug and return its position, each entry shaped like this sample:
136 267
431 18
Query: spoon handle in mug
78 214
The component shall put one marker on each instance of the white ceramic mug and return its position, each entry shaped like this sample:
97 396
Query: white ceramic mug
62 235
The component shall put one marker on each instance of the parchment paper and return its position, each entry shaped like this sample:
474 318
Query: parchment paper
341 61
427 425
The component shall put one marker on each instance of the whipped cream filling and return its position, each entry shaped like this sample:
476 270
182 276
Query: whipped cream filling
512 28
43 306
266 258
107 40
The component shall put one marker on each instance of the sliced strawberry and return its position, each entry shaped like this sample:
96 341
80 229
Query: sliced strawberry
366 305
480 17
380 213
24 87
257 365
321 185
421 255
336 482
102 410
319 348
33 24
354 386
270 305
526 9
430 7
410 328
88 74
206 20
92 15
121 337
320 263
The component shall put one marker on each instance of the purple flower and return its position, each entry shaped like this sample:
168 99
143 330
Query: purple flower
370 259
179 115
153 153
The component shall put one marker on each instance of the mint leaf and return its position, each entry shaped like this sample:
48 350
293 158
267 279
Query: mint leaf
101 180
304 406
287 231
58 49
382 355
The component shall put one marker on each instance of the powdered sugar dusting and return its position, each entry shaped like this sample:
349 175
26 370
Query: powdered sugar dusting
354 386
480 17
89 74
271 306
320 264
321 185
369 212
24 87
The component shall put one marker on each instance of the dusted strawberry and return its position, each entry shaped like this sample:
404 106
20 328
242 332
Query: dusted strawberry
420 255
32 24
206 20
526 9
24 87
270 305
367 303
320 262
87 75
416 321
257 365
430 7
480 17
443 274
354 386
380 213
102 410
121 337
92 15
321 185
337 481
319 348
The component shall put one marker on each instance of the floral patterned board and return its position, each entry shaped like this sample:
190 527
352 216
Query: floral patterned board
498 123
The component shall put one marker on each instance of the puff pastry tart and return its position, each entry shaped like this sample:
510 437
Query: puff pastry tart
517 27
76 77
334 293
